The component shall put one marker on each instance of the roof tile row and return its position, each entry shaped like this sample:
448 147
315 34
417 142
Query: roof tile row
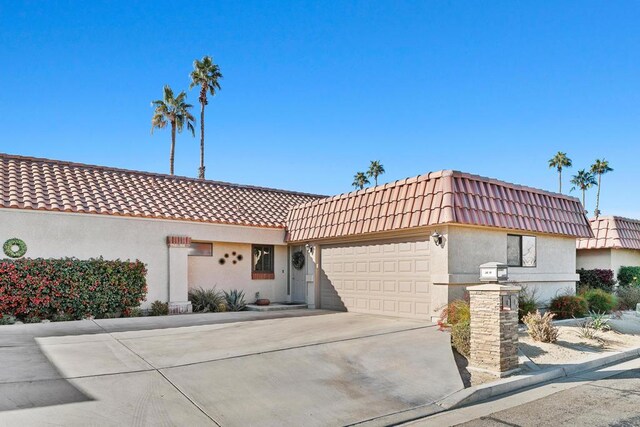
40 184
438 198
612 232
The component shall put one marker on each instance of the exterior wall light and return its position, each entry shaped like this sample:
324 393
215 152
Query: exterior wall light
309 248
437 239
494 272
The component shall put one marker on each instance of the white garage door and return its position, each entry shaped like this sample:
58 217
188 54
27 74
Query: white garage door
389 278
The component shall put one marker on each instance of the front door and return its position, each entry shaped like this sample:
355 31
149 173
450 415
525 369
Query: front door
298 276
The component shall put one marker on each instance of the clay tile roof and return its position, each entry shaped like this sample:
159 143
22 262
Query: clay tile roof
612 232
50 185
445 197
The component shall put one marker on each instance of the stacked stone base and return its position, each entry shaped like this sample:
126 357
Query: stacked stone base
494 330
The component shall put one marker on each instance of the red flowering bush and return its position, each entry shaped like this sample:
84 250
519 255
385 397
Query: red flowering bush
69 288
569 306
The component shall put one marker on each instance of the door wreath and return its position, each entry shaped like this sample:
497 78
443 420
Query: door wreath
297 260
15 248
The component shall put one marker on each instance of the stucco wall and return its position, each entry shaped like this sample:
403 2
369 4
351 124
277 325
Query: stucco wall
611 259
624 258
590 259
54 235
469 247
207 272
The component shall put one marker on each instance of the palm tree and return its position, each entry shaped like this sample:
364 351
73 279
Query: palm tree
175 111
375 169
360 180
599 168
559 161
206 75
583 180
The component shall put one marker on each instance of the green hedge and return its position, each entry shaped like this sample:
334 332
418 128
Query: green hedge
32 289
629 276
596 279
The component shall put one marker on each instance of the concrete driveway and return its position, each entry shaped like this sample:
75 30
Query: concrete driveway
305 367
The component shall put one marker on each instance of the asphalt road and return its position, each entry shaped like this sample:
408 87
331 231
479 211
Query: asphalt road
614 401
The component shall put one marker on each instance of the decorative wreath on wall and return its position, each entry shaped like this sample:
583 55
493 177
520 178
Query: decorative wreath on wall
15 248
297 260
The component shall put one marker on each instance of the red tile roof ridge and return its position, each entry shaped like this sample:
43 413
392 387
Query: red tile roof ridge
511 185
438 174
615 217
372 189
155 175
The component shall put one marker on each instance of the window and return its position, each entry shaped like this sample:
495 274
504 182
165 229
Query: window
200 249
262 262
521 251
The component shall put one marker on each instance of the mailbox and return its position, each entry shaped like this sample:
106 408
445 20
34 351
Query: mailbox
494 272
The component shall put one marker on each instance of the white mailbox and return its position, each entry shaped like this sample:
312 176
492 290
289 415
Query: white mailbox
494 272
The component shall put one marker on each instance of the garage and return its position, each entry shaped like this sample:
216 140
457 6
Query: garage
383 277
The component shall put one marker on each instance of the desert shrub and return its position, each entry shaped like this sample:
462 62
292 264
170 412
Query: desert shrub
628 297
629 276
585 331
7 320
569 306
596 279
598 321
35 289
132 312
600 301
527 302
206 300
235 300
540 327
159 308
455 312
461 337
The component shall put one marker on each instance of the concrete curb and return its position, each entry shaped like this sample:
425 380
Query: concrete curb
482 392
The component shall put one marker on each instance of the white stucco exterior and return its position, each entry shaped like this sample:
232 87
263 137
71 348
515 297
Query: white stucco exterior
610 259
469 247
58 234
452 267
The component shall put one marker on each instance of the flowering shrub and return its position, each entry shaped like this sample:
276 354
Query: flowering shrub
454 312
69 288
569 306
596 279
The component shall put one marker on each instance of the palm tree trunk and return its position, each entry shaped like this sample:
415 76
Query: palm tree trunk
375 178
584 206
560 180
201 173
173 147
597 211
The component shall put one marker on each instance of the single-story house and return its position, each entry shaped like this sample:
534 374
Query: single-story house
615 243
402 249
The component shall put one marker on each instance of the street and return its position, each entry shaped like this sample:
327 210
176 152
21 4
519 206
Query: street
608 397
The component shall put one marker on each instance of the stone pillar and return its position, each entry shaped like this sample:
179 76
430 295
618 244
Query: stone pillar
179 274
494 328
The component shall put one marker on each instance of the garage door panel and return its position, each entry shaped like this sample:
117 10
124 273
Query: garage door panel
389 278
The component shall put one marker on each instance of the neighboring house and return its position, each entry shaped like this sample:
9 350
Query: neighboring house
368 251
616 243
189 232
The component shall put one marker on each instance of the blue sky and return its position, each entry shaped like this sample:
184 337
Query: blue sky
313 91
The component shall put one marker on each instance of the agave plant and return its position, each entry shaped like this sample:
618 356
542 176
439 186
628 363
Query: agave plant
207 300
235 300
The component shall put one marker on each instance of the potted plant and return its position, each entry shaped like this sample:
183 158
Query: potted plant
261 301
